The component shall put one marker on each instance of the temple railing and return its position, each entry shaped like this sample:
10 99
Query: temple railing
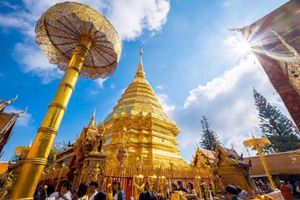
130 171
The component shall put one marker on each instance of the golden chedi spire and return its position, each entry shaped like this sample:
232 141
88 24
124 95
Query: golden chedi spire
150 135
139 97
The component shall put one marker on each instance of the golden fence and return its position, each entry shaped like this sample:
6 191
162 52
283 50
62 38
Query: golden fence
130 171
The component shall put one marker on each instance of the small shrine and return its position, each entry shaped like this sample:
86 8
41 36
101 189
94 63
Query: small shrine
222 167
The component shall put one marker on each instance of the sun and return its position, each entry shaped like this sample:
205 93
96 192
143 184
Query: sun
239 46
242 47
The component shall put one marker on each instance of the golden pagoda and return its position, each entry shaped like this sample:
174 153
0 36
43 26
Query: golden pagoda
139 124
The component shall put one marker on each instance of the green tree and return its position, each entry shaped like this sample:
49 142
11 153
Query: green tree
274 125
209 138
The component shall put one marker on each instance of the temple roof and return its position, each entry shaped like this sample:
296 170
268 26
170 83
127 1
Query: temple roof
278 163
213 157
3 104
275 41
139 97
7 121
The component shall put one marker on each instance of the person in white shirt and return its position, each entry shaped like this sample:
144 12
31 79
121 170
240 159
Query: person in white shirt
243 194
93 190
63 194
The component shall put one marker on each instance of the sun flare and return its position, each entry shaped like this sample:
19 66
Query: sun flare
240 47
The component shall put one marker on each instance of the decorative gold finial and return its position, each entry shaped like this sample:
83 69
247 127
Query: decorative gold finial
92 122
94 114
232 147
11 100
141 54
22 112
140 72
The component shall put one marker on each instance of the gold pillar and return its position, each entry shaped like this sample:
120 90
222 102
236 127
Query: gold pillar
36 160
60 173
264 163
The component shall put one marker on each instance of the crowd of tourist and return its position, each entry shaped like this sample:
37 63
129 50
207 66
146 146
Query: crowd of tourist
177 191
288 190
89 192
85 192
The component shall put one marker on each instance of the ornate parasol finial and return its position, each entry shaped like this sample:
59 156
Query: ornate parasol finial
259 144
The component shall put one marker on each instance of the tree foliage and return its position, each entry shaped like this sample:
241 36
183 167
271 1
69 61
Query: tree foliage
209 138
274 125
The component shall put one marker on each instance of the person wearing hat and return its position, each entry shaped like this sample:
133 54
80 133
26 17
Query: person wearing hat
231 193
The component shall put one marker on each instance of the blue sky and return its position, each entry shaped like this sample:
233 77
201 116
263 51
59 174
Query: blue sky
188 59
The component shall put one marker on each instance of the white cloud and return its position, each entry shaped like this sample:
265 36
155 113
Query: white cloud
160 87
33 61
220 85
100 82
227 101
12 21
24 120
130 17
164 99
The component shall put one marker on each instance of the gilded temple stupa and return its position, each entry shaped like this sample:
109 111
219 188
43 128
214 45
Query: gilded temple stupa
139 124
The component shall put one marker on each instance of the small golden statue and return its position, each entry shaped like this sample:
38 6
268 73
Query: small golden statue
138 185
163 184
153 183
219 184
213 179
198 186
109 190
206 188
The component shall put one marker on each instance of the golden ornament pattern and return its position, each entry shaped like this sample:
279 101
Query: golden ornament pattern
60 29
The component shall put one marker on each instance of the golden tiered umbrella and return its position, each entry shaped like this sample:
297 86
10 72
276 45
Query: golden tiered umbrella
259 144
82 42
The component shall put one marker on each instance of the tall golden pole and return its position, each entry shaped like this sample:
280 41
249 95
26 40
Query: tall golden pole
60 173
80 41
264 163
36 160
258 144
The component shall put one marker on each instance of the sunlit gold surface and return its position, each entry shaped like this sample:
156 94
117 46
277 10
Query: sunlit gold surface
221 167
138 185
59 31
150 134
259 144
68 34
41 147
88 160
